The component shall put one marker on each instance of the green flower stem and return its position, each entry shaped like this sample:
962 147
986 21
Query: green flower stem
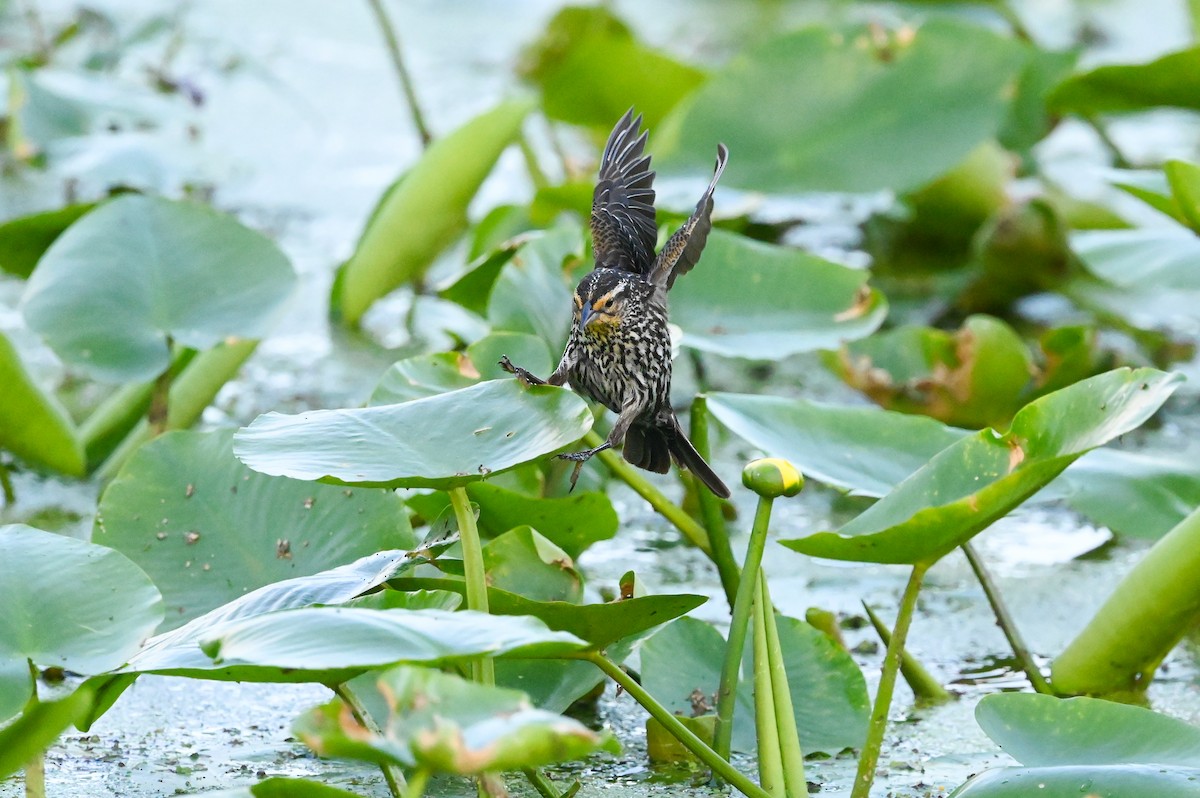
770 757
35 768
406 83
720 766
109 423
543 785
392 774
482 670
925 687
6 486
629 475
742 605
785 714
710 507
1005 620
192 391
416 785
887 684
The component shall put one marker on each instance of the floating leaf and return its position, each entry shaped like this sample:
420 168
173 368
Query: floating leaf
828 690
33 425
982 477
208 529
861 449
110 608
446 724
280 787
1171 81
572 64
531 293
1149 275
326 639
422 376
137 272
425 210
1084 745
24 240
1184 178
848 125
528 350
441 441
786 301
1149 611
523 561
1140 494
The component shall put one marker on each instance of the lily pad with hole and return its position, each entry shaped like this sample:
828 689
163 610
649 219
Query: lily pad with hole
208 530
120 284
441 441
982 477
68 604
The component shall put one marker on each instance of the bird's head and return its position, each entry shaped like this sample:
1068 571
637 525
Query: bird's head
602 301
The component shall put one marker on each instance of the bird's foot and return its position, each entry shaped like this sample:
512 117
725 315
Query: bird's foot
521 374
579 458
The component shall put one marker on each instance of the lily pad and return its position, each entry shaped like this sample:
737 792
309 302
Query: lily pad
33 425
525 562
281 787
38 728
209 530
786 301
860 449
335 638
1140 494
445 724
979 479
572 65
1072 781
23 241
422 376
1184 178
126 279
441 441
1172 81
531 294
93 627
848 125
425 210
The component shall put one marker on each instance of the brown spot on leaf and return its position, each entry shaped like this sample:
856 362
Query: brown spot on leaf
859 306
466 367
1016 454
283 549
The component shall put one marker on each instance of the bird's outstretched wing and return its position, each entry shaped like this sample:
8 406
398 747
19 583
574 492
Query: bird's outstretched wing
624 230
683 249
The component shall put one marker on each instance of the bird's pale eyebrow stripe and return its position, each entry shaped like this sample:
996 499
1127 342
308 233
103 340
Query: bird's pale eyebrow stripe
599 303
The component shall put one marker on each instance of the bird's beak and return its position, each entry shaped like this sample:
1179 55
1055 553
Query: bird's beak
585 314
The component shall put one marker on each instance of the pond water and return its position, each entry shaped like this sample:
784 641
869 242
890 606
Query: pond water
299 140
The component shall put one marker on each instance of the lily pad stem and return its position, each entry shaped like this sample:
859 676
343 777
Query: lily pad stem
482 670
543 785
720 766
926 688
743 603
788 735
6 486
35 768
662 505
416 787
1006 623
391 773
406 84
869 758
710 507
766 725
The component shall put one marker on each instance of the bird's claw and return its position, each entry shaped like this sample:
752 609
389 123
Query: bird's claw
579 457
521 374
507 365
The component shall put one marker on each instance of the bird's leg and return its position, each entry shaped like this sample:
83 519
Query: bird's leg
628 413
557 378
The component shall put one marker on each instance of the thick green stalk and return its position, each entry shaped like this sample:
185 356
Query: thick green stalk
35 768
785 714
416 785
770 757
391 773
710 507
926 688
543 785
483 670
1006 622
742 605
406 83
668 510
887 684
720 766
6 486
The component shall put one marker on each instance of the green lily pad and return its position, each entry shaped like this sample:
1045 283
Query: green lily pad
23 241
977 480
1184 178
33 425
422 376
440 441
445 724
1141 494
1151 187
860 449
137 272
424 211
525 562
848 126
1172 81
93 627
37 729
1073 781
828 689
531 294
754 300
281 787
528 350
599 624
208 529
335 638
572 65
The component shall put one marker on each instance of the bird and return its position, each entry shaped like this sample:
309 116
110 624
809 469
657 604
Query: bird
618 352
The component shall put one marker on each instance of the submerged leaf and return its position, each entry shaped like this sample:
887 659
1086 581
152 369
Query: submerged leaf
982 477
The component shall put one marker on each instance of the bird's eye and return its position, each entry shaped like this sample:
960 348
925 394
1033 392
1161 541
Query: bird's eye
608 304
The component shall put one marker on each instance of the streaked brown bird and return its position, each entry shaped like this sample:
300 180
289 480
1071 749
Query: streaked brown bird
619 349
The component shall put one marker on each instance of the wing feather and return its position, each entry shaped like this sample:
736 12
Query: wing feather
624 229
682 250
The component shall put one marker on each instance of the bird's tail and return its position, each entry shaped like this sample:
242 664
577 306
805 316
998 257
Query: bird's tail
653 448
